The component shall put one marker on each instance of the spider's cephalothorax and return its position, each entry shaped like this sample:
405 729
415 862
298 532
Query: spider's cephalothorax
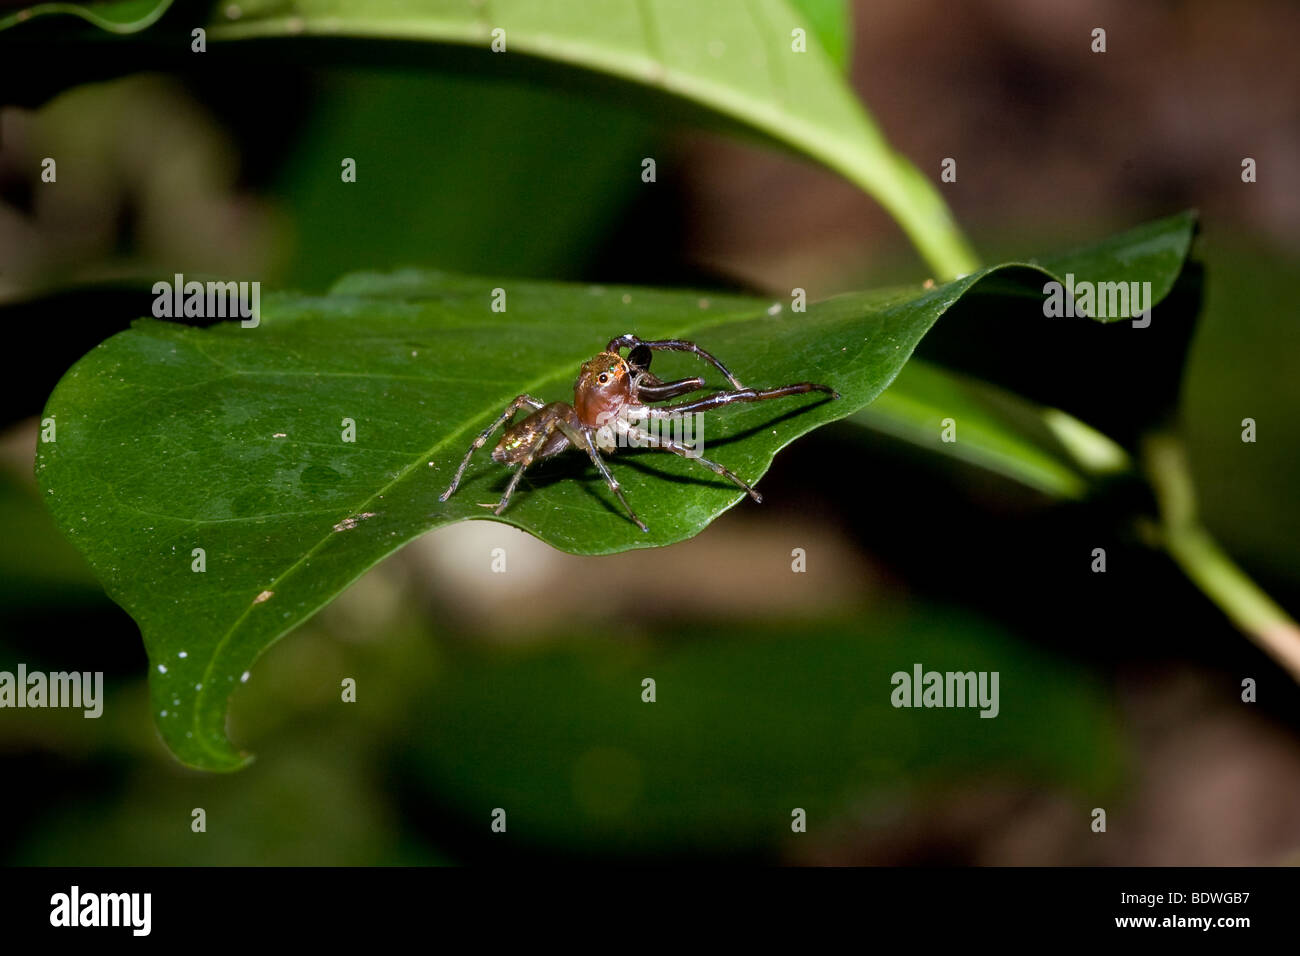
604 386
607 386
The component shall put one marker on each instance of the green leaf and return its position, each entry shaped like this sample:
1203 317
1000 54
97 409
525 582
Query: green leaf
1153 252
230 439
1039 447
830 22
733 57
118 16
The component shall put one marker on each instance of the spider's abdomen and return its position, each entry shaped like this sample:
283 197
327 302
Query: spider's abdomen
523 436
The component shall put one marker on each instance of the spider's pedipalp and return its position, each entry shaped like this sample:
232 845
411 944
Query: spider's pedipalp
630 341
658 391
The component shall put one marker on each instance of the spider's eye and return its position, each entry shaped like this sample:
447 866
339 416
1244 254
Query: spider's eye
604 377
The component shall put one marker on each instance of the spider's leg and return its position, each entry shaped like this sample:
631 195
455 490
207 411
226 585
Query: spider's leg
551 423
740 395
581 437
677 448
519 402
630 341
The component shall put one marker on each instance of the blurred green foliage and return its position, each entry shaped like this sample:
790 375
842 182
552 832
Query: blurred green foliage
1245 363
458 174
751 719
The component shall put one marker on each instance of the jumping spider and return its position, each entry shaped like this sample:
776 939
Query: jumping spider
608 388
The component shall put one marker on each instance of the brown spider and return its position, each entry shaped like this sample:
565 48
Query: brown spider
610 391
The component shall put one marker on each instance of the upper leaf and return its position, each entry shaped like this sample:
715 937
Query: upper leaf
829 21
737 58
740 60
231 440
116 16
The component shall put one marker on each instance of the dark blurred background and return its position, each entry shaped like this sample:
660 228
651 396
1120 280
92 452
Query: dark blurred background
1119 691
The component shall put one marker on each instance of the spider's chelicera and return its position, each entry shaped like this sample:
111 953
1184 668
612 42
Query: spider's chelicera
612 393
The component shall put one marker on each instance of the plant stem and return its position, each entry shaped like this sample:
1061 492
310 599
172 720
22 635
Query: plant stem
1208 565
